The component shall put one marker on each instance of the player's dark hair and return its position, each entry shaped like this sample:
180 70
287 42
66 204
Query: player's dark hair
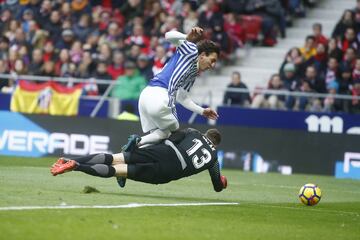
214 136
208 47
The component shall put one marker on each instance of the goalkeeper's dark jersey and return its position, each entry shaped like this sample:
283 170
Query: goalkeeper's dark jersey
198 153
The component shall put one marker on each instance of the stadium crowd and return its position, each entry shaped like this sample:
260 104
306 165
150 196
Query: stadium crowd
327 65
124 39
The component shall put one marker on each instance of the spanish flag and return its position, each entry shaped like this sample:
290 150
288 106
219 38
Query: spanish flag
46 98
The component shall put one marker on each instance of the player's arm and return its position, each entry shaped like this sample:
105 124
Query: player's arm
184 99
177 38
219 182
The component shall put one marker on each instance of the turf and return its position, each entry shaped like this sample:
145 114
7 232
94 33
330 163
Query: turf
268 206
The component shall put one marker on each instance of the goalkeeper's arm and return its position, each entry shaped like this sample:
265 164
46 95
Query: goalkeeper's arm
219 182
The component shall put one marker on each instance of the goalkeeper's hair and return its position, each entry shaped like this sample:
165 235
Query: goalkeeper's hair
214 136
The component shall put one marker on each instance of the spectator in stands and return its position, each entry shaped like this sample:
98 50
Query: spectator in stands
349 59
349 40
294 57
355 104
104 54
316 82
236 98
48 69
345 85
134 52
319 36
5 19
80 7
4 83
270 100
35 36
63 63
130 85
83 28
86 66
319 60
289 78
210 14
333 50
233 27
112 36
27 16
302 103
19 68
154 13
66 40
160 59
43 16
145 67
309 49
53 26
76 52
346 21
4 47
116 68
332 72
189 16
36 63
132 8
102 74
139 38
331 104
221 37
356 71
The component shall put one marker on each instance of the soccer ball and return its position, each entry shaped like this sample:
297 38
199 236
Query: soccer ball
310 194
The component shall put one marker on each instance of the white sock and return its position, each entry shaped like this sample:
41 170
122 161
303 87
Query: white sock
154 137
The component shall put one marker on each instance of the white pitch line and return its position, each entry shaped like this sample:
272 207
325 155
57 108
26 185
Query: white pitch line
307 208
130 205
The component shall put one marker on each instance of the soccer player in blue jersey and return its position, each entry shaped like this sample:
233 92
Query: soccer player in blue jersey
173 83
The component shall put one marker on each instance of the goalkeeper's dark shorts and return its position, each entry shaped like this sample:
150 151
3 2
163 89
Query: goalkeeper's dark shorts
155 164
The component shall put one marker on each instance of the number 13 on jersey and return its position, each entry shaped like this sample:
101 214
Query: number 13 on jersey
199 156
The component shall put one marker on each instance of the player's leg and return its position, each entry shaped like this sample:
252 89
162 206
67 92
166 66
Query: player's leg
145 164
156 115
95 164
133 140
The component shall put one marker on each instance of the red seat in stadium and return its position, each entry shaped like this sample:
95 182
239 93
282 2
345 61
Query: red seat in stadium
252 26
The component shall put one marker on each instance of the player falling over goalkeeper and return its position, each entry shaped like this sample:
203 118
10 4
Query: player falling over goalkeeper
185 153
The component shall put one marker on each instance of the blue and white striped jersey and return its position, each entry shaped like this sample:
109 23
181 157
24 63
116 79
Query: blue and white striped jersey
180 71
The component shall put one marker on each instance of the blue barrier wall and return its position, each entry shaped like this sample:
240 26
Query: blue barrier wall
304 121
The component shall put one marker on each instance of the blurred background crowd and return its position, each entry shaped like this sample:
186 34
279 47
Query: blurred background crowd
123 40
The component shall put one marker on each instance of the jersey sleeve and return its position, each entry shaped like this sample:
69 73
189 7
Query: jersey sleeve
184 99
188 48
214 172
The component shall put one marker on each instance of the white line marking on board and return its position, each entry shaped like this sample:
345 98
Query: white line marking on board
130 205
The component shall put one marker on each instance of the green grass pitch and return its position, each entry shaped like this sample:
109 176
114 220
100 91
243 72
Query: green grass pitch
268 206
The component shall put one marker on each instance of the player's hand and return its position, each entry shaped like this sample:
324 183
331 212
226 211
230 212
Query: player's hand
223 181
211 114
195 34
